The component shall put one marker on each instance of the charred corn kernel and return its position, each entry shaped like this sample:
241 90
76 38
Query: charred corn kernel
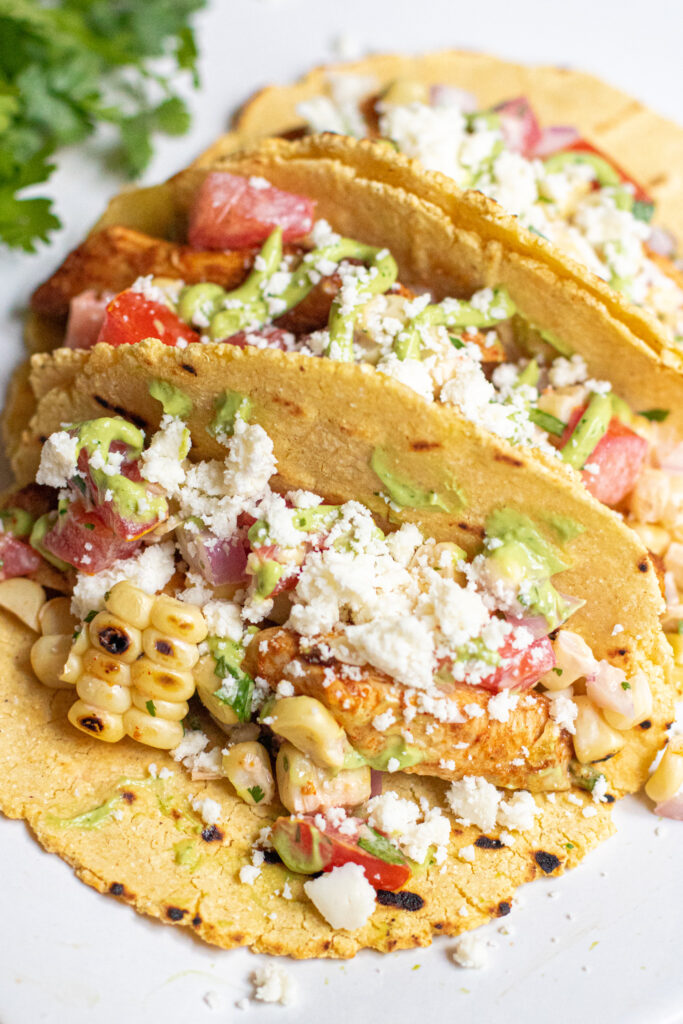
23 598
594 739
676 641
114 636
106 667
56 617
573 659
304 787
152 730
48 658
172 710
183 621
642 704
104 695
247 766
667 778
308 724
105 725
167 650
130 604
655 538
207 682
155 681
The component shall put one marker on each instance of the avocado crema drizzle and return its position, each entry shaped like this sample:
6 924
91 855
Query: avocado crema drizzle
270 292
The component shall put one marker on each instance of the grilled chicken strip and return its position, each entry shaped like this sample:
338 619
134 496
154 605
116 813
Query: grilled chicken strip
527 751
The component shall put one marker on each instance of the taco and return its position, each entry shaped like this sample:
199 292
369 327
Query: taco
344 580
512 339
576 161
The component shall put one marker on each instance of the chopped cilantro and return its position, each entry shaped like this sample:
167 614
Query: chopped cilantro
69 66
256 793
455 341
625 685
89 526
107 595
655 415
642 210
568 846
558 671
91 615
149 704
679 627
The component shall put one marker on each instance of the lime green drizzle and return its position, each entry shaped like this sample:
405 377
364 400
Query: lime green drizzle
454 314
405 493
174 402
227 407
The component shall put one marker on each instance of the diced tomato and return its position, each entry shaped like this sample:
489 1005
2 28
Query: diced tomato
619 456
264 337
554 138
305 848
519 670
81 538
230 212
519 125
259 556
86 318
126 528
131 317
582 146
17 558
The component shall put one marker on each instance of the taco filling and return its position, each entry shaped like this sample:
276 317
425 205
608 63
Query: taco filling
331 654
321 294
558 184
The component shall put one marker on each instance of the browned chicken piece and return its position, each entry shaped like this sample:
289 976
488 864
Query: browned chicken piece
112 259
528 751
491 351
666 266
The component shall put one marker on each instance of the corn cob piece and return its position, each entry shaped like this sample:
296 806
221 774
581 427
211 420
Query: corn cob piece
56 655
136 669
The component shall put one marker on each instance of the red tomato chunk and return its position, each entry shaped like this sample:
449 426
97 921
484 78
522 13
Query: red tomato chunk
17 558
618 458
131 317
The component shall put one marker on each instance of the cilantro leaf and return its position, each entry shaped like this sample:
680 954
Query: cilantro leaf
256 793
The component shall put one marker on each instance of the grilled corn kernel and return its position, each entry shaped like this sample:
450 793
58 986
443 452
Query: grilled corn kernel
676 641
103 695
207 682
172 710
81 639
130 604
105 725
642 704
655 538
48 658
404 91
573 659
106 667
56 617
667 778
304 787
594 739
155 681
308 724
183 621
247 766
23 598
114 636
151 730
73 667
168 651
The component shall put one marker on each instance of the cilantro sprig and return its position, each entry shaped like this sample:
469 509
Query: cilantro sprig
68 67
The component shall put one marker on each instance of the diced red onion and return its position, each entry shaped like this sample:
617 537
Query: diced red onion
671 808
604 687
662 242
519 125
670 459
554 139
219 560
375 782
451 96
86 316
536 624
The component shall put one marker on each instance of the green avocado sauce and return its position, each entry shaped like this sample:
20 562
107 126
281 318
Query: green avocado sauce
227 406
567 529
41 527
185 854
405 493
102 814
590 429
454 314
396 749
174 402
526 560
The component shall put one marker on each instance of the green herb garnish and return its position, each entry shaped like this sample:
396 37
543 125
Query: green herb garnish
256 793
655 415
149 704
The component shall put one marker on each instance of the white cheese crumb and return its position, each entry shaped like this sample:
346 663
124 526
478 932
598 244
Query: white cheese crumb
212 1000
273 984
57 460
343 896
467 853
150 571
249 873
474 801
470 951
500 706
209 810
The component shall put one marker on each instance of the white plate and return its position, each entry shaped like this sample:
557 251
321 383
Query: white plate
604 941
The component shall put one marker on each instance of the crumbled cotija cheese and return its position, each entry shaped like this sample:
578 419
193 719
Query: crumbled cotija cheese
343 896
150 571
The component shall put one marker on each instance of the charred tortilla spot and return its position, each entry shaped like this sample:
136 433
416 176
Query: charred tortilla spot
509 460
92 723
403 900
503 909
42 439
425 446
601 759
647 724
438 925
554 634
124 413
609 799
659 179
237 938
291 407
128 796
164 647
272 857
642 566
188 368
547 862
487 843
196 921
212 834
175 913
116 889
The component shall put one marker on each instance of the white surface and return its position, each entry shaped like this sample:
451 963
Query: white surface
69 955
